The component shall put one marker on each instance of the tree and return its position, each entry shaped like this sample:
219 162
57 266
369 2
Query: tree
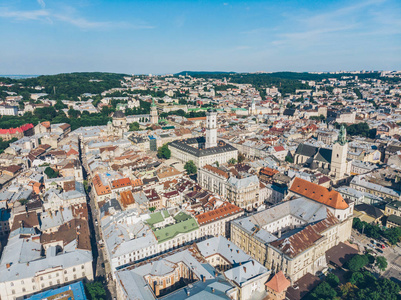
59 105
152 209
333 280
232 161
241 157
381 263
323 291
51 173
217 163
72 113
348 290
164 152
357 262
190 167
289 159
134 126
95 291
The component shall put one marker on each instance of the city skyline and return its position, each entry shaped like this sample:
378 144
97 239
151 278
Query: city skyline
44 37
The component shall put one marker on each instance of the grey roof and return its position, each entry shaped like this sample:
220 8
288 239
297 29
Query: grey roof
304 210
324 155
185 145
135 287
19 251
243 182
220 245
306 150
370 210
245 272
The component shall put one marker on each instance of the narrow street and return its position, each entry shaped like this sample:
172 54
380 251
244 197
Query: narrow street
101 267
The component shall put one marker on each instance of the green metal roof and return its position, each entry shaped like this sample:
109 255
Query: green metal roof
169 232
157 217
181 216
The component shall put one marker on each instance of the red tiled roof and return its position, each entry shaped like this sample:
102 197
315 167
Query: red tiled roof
278 283
99 187
227 209
119 183
318 193
279 148
20 129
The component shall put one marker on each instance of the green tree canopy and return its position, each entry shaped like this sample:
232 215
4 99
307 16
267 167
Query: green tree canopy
190 167
381 263
164 152
51 173
357 262
95 291
134 126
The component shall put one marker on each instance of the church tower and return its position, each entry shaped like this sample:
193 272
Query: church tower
339 155
154 118
211 129
252 108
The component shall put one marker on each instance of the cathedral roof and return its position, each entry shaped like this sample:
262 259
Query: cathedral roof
118 114
324 155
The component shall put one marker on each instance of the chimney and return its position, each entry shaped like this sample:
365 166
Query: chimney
253 262
212 290
188 293
203 278
245 269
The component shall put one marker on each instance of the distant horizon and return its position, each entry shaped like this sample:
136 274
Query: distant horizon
21 76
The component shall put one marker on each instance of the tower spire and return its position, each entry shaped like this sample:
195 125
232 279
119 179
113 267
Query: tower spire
342 136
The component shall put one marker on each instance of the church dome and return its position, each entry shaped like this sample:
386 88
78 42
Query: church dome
313 165
118 115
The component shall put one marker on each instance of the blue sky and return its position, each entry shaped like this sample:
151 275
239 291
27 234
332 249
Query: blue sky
159 37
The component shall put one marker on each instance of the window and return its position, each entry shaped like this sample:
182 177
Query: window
13 291
23 290
82 267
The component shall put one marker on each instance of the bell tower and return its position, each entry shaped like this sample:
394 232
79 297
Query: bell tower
339 154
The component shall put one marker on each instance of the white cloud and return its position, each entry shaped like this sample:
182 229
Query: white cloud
24 15
42 3
50 17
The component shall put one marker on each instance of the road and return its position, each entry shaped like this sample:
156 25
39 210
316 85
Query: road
101 266
392 254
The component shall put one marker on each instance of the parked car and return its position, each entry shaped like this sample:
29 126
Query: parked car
379 250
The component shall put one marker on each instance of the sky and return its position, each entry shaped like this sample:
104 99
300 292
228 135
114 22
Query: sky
164 37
